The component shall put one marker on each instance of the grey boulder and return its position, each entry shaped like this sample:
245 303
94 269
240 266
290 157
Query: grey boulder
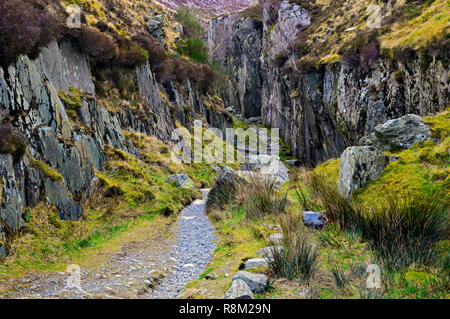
359 165
256 282
403 132
239 290
256 262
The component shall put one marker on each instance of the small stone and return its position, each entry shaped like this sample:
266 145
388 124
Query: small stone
256 262
276 238
314 220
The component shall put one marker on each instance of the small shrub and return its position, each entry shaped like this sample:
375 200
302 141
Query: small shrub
11 142
369 55
94 43
298 259
194 48
24 27
281 59
190 22
157 57
131 54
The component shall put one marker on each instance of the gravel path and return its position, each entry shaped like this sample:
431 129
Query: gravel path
181 251
195 244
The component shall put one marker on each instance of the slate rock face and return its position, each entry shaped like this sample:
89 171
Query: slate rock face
30 96
11 203
359 165
403 132
239 290
326 110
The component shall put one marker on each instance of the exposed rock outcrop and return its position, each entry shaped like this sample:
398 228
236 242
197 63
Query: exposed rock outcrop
359 165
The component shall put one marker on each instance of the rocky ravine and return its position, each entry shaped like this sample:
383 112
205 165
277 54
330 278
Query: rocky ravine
325 110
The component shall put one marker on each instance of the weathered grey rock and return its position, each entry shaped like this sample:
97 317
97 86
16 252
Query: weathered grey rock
269 166
256 262
268 252
403 132
58 196
359 165
314 219
239 290
182 181
256 282
11 204
224 187
276 238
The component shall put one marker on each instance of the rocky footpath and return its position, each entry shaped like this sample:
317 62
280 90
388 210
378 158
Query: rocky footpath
62 154
320 111
155 263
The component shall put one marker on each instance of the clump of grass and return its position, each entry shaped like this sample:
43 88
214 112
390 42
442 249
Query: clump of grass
336 208
261 198
406 230
298 259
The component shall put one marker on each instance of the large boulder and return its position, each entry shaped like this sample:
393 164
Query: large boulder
239 290
256 282
181 180
403 132
224 187
359 165
268 166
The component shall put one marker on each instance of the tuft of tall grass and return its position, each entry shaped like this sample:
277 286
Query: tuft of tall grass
260 197
406 230
298 259
336 208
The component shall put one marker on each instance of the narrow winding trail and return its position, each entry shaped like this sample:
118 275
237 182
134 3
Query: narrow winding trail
181 250
192 252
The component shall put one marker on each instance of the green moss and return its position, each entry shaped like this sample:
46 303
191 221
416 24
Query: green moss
45 169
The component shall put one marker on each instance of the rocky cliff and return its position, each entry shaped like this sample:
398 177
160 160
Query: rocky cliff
62 154
319 107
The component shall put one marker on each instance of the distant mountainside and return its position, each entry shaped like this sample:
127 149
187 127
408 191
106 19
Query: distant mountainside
210 7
